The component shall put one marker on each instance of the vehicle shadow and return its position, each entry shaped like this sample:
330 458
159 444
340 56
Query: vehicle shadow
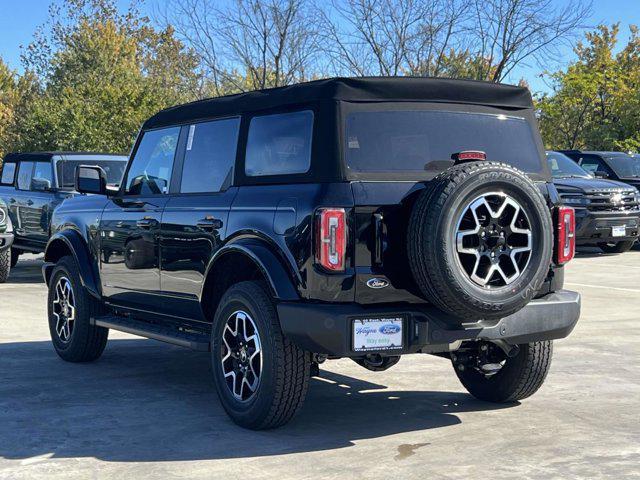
145 401
27 270
589 252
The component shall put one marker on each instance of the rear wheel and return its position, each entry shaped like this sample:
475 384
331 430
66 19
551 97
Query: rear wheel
489 374
70 309
5 264
260 376
616 247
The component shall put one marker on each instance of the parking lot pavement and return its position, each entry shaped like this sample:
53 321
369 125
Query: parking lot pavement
146 409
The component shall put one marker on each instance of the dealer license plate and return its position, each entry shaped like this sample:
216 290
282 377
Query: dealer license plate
619 231
377 334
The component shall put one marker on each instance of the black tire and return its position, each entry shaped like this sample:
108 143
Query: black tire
86 342
618 247
5 264
285 369
519 378
15 255
433 258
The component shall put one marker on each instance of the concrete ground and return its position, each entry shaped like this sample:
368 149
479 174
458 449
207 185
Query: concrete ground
149 410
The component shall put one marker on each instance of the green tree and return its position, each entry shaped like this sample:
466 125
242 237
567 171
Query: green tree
592 102
102 75
16 94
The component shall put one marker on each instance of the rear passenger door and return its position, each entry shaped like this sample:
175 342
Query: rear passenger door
20 204
195 218
39 203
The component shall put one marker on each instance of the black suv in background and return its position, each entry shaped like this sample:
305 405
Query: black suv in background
613 165
607 212
34 184
362 218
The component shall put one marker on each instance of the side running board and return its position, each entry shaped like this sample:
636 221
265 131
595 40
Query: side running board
193 340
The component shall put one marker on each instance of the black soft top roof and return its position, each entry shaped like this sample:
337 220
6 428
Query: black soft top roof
364 89
47 156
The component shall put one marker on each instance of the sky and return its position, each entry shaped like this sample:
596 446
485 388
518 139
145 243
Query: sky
19 19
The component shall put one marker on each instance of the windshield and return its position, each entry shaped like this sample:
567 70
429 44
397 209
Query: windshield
563 167
417 141
67 171
625 166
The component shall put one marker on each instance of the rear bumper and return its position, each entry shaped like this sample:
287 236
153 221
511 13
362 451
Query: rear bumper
6 240
596 227
327 329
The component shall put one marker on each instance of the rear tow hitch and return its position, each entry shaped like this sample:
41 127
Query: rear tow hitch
487 358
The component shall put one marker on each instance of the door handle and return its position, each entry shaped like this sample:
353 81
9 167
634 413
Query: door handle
30 202
147 223
12 200
209 223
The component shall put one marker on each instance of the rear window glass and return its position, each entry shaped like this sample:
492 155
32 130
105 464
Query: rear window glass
67 171
8 173
279 144
410 140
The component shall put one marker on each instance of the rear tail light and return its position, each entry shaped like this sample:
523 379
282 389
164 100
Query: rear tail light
566 235
331 238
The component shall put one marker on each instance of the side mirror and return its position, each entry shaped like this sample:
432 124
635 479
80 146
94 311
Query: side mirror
601 174
91 179
40 184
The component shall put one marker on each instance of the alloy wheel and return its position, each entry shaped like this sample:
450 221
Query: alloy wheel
64 309
493 240
241 355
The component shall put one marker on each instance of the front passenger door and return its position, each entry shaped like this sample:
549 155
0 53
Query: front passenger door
130 224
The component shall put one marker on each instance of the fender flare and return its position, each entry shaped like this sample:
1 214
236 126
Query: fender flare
280 281
71 241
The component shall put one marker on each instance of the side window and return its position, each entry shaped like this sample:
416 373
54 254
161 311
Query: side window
279 144
210 156
593 164
24 175
42 176
8 173
150 170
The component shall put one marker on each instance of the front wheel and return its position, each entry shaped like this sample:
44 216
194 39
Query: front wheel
70 309
617 247
488 374
5 264
260 376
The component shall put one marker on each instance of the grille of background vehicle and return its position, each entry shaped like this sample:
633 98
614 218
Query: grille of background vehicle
620 201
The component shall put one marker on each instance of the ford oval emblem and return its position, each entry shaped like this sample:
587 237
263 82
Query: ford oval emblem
377 283
389 329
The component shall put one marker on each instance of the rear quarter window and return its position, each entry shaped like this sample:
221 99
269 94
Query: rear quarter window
279 144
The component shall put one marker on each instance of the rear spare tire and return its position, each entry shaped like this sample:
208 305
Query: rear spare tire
480 241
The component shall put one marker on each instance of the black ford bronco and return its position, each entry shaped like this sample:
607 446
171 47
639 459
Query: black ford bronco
363 218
